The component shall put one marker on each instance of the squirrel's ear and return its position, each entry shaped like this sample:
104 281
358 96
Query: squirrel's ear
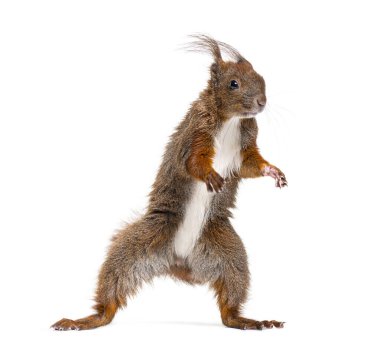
215 71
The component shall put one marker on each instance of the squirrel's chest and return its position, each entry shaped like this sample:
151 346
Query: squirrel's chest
227 160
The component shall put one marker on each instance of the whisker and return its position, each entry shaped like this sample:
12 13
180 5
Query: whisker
278 122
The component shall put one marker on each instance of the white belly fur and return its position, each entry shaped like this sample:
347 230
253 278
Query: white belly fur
227 160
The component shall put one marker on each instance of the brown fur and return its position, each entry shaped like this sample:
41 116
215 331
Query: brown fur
253 163
144 249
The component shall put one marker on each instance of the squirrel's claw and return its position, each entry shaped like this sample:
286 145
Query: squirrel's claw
281 182
275 173
214 182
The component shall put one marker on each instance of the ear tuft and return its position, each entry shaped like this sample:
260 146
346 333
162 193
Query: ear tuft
206 44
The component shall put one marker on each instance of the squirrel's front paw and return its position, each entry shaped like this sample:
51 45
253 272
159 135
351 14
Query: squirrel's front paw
275 173
214 181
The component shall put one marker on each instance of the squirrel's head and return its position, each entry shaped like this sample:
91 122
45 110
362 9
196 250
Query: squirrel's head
238 89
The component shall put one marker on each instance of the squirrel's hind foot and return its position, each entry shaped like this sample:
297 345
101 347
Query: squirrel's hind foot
89 322
245 323
66 324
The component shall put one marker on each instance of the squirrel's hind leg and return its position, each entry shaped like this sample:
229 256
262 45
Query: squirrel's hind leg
231 310
231 287
103 317
126 268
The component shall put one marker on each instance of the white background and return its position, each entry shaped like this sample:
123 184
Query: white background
90 92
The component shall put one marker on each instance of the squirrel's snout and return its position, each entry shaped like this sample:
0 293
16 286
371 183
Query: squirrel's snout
261 100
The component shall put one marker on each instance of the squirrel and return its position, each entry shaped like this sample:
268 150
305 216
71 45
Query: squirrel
186 231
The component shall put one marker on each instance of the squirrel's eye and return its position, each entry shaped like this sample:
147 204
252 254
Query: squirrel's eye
234 84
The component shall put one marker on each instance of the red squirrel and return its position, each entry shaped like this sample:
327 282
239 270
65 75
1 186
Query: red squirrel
186 231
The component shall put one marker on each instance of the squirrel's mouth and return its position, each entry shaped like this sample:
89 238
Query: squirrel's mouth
245 115
250 114
254 111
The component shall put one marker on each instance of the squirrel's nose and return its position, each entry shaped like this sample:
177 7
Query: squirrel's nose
261 100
